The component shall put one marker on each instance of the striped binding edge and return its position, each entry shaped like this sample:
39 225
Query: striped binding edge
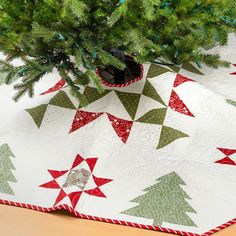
119 222
125 84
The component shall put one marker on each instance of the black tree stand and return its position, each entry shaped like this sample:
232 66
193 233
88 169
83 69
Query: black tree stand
113 75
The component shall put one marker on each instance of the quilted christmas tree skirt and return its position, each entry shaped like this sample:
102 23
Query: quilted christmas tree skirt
158 153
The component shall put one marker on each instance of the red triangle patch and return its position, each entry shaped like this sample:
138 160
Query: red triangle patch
51 184
60 197
233 73
177 104
82 118
91 163
74 198
55 173
55 88
95 192
226 161
101 181
77 161
121 127
180 79
227 151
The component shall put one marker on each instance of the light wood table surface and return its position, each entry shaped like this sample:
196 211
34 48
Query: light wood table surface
16 221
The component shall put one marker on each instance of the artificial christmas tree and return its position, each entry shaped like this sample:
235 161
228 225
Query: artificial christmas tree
69 34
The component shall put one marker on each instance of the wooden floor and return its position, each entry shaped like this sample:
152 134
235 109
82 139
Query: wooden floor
22 222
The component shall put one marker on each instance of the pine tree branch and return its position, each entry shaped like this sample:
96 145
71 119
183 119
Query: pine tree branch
8 72
118 13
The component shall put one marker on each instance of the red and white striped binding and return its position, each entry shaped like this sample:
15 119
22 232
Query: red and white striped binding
217 229
119 222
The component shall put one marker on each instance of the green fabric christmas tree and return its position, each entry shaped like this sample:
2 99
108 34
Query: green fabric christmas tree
164 202
5 169
70 34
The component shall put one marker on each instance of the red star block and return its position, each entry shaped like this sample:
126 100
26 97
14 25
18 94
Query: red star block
233 73
121 127
180 79
83 118
177 104
75 195
226 160
55 88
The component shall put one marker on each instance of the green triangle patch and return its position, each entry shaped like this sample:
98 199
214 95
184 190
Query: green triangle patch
151 92
93 95
169 135
231 102
130 101
156 70
189 67
61 99
176 69
155 116
37 113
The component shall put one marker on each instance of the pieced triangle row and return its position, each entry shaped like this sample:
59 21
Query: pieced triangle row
130 102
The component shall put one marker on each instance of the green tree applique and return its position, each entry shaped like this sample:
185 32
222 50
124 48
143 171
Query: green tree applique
164 202
5 169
